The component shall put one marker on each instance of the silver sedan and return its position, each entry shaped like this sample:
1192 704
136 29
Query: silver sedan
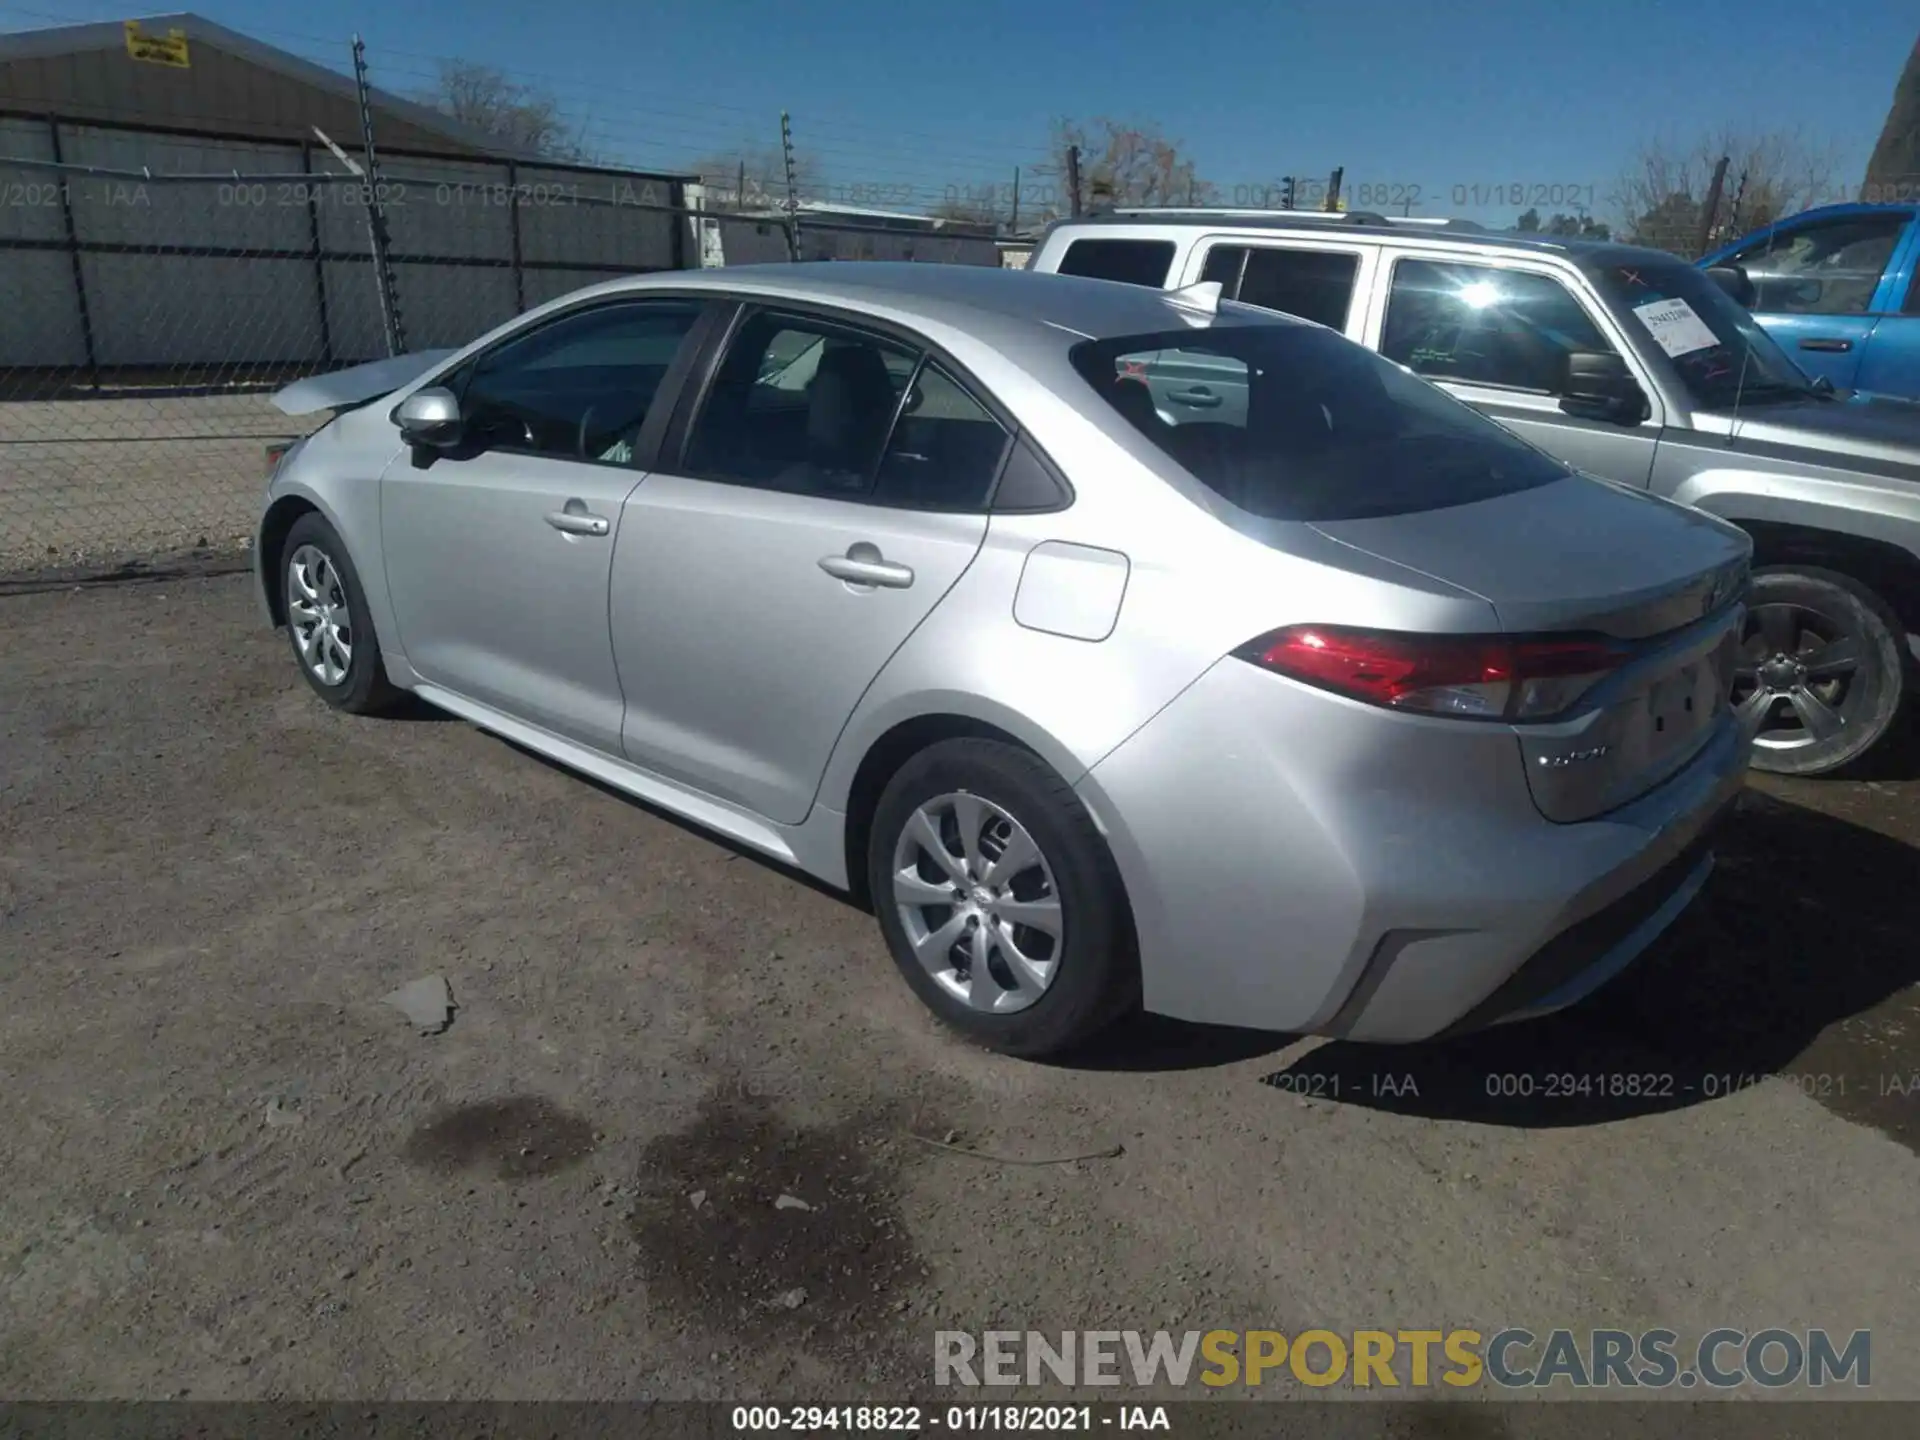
1316 702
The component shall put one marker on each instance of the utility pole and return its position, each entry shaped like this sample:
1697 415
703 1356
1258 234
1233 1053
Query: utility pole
1333 187
793 190
377 211
1013 225
1073 180
1710 211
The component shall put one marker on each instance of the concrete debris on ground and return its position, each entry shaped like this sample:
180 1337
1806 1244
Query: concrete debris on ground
427 1003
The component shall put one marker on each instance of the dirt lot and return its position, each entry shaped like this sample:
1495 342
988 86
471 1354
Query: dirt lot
232 1172
98 480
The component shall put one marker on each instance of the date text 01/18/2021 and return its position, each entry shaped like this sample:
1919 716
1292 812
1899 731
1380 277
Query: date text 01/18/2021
1039 1419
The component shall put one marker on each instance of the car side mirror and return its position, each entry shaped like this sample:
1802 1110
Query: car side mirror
1734 280
1597 385
429 417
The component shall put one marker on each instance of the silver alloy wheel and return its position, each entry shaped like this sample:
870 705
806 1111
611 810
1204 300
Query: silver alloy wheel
978 903
1797 680
317 614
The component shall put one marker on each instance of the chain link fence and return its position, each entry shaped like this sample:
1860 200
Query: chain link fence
157 288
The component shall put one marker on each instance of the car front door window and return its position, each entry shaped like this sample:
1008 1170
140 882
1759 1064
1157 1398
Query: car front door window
1825 267
1482 325
578 388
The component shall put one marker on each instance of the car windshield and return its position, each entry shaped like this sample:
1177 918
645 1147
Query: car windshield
1294 422
1719 350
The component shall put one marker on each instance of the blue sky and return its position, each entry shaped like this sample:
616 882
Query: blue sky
1462 101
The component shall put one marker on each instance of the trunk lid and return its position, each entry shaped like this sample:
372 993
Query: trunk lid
1585 556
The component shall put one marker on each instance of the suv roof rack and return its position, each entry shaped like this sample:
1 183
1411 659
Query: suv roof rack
1308 217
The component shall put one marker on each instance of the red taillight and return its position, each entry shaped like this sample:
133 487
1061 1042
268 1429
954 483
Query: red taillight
276 452
1486 676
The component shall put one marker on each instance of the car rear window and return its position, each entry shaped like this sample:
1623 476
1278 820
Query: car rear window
1293 422
1132 262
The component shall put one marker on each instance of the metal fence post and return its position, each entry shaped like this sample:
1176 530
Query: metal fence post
793 193
513 221
319 265
376 210
73 256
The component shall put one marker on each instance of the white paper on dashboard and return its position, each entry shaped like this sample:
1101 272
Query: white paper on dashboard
1675 327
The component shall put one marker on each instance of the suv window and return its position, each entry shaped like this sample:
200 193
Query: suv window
1133 262
1316 285
1483 325
1825 267
1309 426
578 388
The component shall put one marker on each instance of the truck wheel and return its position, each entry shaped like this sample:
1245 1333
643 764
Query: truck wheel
1821 677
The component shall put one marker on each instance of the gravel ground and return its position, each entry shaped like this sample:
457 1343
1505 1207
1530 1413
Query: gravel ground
232 1172
96 481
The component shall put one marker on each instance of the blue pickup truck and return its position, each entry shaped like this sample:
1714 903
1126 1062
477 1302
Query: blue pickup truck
1839 287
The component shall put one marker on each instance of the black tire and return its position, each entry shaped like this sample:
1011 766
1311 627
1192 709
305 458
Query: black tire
1095 974
363 687
1800 611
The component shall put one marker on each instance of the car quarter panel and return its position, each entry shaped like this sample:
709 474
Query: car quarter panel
1295 835
1202 579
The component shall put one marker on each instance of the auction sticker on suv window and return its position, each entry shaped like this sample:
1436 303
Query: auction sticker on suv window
1676 328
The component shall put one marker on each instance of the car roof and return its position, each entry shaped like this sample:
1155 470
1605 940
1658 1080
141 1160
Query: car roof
1374 228
991 302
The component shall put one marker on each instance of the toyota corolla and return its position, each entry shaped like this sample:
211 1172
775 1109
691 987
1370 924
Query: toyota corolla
1322 705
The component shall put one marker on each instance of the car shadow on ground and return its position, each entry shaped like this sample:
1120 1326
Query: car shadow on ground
1797 962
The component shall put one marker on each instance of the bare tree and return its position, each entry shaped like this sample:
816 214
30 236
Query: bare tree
525 120
764 171
1659 196
1121 163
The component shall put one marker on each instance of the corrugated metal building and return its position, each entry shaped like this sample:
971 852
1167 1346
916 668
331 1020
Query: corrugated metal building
264 259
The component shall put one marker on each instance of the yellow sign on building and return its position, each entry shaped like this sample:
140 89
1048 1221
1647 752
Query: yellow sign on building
168 49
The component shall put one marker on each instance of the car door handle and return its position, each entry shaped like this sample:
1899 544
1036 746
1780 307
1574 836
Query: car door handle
1199 396
1834 347
864 565
575 519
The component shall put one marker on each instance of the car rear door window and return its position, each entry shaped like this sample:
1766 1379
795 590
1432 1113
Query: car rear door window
1316 285
578 388
800 404
1483 325
819 408
945 449
1133 262
1309 426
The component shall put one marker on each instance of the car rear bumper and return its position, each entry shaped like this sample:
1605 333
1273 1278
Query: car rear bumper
1299 862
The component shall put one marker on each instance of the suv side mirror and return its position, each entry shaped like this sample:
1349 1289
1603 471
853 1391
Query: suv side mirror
1734 280
1597 385
429 417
